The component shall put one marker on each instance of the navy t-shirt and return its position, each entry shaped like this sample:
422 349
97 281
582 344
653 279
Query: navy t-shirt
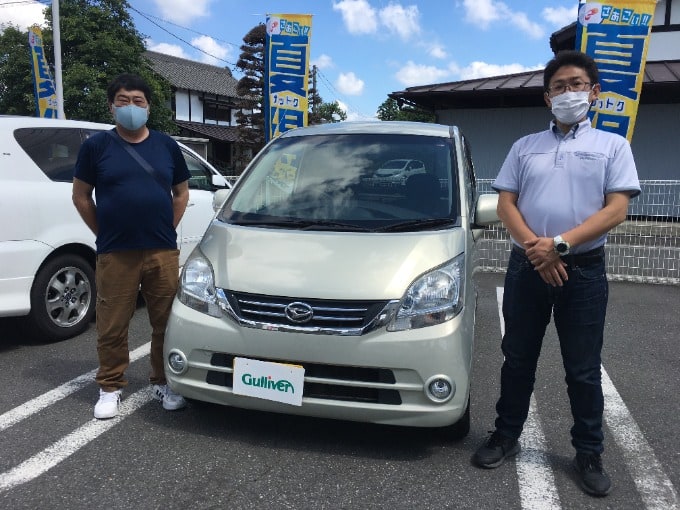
134 211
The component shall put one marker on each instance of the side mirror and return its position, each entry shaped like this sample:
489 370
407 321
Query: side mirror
219 181
219 197
485 213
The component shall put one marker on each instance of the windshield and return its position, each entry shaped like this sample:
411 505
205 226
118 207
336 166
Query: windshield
331 182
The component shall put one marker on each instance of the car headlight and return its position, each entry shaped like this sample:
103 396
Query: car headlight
197 285
435 297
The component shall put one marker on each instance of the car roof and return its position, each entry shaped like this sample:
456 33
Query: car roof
376 127
17 121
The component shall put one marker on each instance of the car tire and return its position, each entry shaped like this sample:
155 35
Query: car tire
460 429
63 298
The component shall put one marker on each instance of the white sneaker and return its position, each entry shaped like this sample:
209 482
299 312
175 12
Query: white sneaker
107 405
171 400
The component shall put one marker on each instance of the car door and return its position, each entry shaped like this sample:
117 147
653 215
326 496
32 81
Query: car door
199 211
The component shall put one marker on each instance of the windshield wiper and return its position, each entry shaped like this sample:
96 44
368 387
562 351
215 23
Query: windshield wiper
415 225
334 225
299 224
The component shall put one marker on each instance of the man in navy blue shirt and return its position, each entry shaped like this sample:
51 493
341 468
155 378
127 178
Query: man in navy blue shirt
138 207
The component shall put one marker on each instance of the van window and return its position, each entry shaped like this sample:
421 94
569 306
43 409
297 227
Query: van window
201 176
54 150
368 181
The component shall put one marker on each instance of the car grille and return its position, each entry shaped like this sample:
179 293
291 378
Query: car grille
327 316
331 388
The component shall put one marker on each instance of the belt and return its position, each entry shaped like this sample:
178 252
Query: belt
587 258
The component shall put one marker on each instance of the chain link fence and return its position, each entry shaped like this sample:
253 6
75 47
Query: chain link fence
644 249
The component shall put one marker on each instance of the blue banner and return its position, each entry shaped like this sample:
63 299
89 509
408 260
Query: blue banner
616 35
286 76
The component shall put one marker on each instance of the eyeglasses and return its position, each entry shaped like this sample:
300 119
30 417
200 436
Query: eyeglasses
574 86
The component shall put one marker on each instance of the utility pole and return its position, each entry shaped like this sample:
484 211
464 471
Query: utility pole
316 94
58 85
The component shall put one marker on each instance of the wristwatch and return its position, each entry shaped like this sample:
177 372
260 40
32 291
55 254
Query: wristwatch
562 247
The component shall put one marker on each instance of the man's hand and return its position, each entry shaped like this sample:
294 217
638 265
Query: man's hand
542 255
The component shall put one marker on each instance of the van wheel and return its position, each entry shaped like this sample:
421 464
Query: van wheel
460 429
63 298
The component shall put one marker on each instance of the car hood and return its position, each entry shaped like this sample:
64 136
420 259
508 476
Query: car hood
325 265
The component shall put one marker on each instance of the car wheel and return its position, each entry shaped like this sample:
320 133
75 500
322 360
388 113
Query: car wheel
460 429
62 298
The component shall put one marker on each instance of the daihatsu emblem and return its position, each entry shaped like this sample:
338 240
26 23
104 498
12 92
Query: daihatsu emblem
299 312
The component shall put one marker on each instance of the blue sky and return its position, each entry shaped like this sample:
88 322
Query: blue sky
364 49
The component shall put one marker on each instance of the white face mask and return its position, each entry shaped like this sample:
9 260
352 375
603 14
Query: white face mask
570 107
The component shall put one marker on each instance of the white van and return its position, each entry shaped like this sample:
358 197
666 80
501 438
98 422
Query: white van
47 253
320 291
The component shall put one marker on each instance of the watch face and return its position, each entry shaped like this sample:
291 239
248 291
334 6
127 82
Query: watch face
561 247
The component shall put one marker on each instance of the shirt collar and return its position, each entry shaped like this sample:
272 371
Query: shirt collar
576 130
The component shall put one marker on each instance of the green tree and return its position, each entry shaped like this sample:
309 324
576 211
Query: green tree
16 82
331 112
98 42
390 110
250 90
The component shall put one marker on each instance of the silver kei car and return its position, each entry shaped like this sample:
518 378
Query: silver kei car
317 291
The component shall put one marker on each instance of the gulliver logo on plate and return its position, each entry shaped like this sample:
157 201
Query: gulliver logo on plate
271 381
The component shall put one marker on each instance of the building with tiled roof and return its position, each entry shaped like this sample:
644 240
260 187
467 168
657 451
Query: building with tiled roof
204 105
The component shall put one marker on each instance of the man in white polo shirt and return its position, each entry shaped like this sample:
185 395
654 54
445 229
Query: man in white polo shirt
560 192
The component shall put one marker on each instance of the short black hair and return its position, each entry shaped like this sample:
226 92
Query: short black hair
571 58
128 81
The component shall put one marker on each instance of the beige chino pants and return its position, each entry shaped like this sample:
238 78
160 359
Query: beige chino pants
120 276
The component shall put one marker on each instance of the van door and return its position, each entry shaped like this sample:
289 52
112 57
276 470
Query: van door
199 211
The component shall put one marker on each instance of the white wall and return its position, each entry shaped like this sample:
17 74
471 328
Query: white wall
665 45
181 105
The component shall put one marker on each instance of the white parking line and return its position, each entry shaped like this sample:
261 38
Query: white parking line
14 416
68 445
651 481
537 490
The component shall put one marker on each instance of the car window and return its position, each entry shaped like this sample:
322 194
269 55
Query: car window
343 178
54 150
201 176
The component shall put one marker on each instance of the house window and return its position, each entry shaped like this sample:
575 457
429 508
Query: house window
216 113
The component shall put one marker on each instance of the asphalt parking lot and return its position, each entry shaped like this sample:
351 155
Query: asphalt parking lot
54 455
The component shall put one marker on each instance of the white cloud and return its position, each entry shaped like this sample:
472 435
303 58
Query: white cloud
400 20
484 13
437 51
417 74
349 84
217 53
323 62
483 70
560 16
182 11
168 49
358 15
22 15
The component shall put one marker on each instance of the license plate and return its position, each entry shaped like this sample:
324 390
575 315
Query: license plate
279 382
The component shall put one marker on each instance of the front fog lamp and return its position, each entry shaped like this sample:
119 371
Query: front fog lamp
440 389
177 362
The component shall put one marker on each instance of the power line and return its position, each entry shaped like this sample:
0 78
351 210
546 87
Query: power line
180 39
330 86
151 16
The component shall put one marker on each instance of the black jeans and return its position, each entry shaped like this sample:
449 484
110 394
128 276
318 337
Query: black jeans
579 309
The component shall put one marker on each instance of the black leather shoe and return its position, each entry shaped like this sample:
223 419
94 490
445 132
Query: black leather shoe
494 451
591 474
